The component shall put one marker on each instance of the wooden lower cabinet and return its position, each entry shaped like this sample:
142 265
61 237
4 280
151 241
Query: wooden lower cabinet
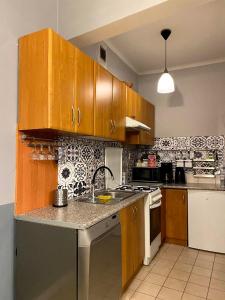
176 213
132 230
163 216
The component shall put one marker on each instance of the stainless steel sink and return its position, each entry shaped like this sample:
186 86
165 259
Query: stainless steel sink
117 196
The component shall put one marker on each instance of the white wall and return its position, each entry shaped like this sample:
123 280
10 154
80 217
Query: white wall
196 108
17 19
78 17
114 64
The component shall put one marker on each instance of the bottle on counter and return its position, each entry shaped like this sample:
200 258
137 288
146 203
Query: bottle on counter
124 178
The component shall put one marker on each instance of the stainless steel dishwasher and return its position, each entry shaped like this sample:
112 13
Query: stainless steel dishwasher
99 261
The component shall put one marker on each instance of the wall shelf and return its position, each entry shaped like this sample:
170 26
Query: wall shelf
204 176
204 168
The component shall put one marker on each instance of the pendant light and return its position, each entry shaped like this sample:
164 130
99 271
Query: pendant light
166 82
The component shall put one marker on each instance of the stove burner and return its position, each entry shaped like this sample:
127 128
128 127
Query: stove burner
140 188
125 188
144 188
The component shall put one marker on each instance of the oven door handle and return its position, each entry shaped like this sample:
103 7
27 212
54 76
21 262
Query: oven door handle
156 204
157 197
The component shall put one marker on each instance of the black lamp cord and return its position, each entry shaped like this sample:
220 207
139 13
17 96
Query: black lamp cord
165 59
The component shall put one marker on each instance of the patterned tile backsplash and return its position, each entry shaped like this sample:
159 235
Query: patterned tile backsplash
171 149
80 157
190 143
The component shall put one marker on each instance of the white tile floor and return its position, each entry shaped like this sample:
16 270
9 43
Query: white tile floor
180 273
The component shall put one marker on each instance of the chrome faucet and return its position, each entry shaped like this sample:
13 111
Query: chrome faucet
94 176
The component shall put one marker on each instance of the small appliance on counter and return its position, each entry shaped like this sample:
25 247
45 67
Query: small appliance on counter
60 198
145 174
180 175
166 171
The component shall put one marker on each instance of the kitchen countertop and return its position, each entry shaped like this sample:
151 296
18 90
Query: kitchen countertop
76 215
194 186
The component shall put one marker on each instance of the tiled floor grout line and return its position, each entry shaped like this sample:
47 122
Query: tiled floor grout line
211 276
190 274
136 289
170 272
192 263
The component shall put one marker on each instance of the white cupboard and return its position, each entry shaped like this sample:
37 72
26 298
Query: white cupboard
206 220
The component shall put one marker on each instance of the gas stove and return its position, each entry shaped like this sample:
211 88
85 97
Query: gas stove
137 188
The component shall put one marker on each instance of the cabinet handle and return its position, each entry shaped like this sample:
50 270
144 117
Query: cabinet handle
111 125
114 125
73 116
79 116
136 210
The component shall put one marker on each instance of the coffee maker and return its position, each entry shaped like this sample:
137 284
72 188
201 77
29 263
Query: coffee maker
180 175
166 172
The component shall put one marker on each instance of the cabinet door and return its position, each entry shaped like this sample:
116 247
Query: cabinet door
84 93
46 81
132 231
126 220
151 121
133 104
103 123
33 77
62 84
163 215
118 113
176 216
138 233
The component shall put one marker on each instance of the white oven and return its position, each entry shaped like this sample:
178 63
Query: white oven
152 224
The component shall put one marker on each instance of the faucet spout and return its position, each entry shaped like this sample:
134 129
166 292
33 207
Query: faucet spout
94 178
101 168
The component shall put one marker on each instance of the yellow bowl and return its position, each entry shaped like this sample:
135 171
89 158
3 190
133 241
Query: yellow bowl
104 198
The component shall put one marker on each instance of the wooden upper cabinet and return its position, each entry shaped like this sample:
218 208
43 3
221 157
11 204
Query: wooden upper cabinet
56 84
46 81
141 110
109 108
147 137
62 84
84 94
176 216
103 125
133 104
118 110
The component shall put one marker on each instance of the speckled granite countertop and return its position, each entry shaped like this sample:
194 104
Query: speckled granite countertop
194 186
77 215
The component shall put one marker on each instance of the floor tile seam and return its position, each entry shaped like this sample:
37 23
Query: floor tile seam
143 293
132 294
141 281
189 277
211 277
170 272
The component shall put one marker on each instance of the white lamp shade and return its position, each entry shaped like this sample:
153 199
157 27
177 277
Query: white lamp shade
165 84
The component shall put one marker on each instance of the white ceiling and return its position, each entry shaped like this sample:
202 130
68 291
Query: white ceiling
198 38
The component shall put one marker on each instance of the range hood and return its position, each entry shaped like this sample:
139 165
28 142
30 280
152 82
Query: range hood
134 125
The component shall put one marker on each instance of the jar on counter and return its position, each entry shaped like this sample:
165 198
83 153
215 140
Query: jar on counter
145 163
